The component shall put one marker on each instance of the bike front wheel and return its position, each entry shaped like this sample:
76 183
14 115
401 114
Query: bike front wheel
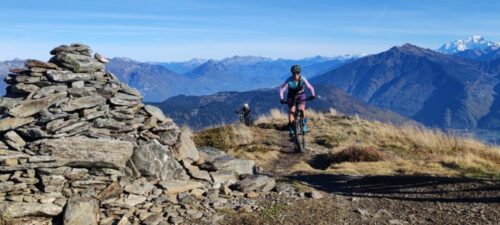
300 140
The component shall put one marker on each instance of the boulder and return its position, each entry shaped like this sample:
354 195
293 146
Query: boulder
187 149
78 63
75 48
155 160
228 163
86 152
81 211
255 183
169 137
195 172
223 177
14 140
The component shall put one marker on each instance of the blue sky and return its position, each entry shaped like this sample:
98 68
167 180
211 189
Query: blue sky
161 30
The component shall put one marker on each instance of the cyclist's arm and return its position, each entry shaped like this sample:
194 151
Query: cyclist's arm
310 87
282 89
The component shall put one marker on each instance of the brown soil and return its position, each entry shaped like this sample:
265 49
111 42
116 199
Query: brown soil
397 199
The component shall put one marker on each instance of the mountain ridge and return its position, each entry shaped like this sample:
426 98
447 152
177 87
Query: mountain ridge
474 42
433 88
210 110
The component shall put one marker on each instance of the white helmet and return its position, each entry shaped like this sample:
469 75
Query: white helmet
245 105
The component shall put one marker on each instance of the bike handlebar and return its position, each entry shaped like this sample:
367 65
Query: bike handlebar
310 98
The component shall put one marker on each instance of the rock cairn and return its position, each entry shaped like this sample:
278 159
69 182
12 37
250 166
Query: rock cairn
77 146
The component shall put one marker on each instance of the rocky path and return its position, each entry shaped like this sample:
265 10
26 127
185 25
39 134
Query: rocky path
410 199
398 199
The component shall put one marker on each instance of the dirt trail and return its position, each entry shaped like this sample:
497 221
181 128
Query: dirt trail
398 199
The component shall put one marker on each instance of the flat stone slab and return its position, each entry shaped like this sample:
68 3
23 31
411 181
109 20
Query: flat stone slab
156 112
32 107
22 209
83 103
87 152
31 63
177 186
67 76
255 183
10 123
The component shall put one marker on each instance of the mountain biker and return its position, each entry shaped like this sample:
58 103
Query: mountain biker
295 85
245 110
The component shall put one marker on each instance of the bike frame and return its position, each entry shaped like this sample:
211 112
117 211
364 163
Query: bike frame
299 138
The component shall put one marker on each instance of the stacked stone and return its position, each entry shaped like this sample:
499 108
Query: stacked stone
76 142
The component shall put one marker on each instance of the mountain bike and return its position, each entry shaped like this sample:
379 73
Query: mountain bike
243 120
298 126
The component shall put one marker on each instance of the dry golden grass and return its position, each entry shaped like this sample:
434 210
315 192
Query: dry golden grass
225 137
408 149
274 116
242 142
425 150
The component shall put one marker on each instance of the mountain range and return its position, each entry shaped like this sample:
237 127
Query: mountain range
436 89
209 110
475 47
474 42
159 81
456 86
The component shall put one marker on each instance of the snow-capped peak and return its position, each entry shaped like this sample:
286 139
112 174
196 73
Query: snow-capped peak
474 42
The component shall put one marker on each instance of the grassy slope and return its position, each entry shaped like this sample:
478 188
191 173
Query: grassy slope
406 149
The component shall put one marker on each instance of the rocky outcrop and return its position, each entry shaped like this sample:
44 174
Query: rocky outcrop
77 146
154 159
